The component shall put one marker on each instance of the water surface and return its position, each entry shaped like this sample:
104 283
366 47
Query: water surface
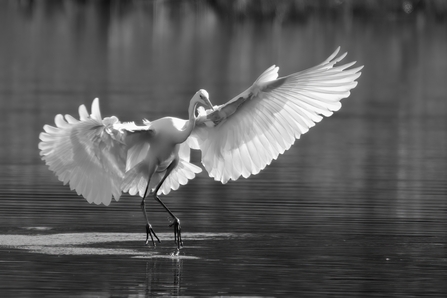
357 207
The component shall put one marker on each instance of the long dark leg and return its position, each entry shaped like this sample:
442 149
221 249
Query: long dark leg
176 223
149 230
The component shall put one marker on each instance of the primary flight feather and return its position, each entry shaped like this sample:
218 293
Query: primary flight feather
102 157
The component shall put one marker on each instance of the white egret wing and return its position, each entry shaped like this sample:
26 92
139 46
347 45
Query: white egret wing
85 154
243 136
100 158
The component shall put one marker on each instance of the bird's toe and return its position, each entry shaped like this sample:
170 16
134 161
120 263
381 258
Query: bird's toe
177 232
150 232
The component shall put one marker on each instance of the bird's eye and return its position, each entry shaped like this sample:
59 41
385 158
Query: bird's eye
201 96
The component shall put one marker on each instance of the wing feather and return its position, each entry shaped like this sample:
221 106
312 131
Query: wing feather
136 178
83 113
244 135
82 154
96 114
100 158
182 173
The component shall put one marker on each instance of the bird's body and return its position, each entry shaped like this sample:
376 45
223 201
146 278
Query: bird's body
101 158
165 140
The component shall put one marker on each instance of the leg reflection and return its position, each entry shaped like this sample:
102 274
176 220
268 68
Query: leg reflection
177 269
163 276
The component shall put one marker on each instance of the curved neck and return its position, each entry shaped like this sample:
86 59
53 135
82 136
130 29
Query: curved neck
192 110
191 123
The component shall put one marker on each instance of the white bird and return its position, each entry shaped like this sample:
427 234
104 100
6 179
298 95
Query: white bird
102 158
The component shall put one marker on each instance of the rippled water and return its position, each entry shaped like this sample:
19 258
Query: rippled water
357 207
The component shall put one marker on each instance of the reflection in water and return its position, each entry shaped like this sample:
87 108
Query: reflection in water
358 206
153 276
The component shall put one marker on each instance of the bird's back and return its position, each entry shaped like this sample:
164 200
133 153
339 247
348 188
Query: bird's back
169 130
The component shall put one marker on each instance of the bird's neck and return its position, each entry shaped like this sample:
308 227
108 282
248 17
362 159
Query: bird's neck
191 123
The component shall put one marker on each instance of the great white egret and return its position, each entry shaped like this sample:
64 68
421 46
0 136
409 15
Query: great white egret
101 158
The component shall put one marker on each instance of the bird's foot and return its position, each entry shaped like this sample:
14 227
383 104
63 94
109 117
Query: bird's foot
177 232
151 232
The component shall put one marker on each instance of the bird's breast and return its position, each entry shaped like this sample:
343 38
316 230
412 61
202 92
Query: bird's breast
165 160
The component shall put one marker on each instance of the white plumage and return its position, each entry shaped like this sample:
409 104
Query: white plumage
101 158
243 136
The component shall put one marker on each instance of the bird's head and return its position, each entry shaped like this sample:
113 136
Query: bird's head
200 101
202 98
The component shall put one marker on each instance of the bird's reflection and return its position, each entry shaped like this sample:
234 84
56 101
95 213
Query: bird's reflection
177 265
164 275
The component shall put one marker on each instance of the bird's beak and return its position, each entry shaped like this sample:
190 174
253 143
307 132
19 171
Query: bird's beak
209 105
204 99
206 103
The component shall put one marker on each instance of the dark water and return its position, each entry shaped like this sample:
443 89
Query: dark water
357 207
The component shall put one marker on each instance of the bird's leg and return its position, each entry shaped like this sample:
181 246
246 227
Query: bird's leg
149 230
176 223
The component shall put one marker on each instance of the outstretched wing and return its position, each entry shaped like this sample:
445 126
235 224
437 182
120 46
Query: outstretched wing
86 154
243 136
100 158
